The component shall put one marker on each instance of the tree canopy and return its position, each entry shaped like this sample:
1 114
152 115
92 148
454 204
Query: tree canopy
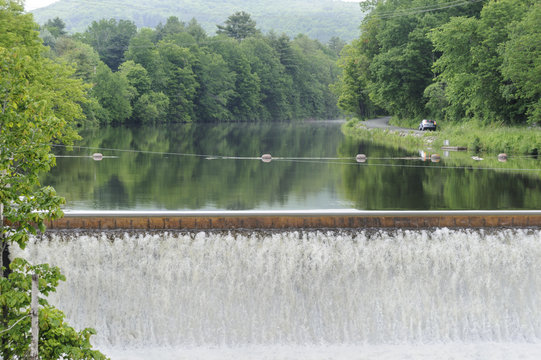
238 26
471 60
177 73
39 103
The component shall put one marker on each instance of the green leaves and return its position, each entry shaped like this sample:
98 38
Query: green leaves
472 61
114 93
521 64
238 26
176 73
110 38
39 103
57 339
471 65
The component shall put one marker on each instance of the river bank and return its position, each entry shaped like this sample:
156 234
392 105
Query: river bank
474 137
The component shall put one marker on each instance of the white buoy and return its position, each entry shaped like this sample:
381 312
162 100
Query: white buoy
97 156
435 158
266 158
502 157
360 158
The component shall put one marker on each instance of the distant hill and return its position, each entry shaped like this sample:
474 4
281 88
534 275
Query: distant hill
319 19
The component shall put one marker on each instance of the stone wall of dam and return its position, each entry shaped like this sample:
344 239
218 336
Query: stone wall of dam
313 219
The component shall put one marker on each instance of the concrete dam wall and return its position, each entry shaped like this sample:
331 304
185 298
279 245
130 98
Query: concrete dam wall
297 219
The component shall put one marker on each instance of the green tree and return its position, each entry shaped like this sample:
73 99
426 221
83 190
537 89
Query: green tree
400 75
316 72
137 77
56 26
82 56
392 63
142 50
245 102
39 103
196 30
151 107
148 106
521 67
238 26
180 84
336 45
114 93
470 65
172 26
264 62
351 86
216 87
110 39
57 340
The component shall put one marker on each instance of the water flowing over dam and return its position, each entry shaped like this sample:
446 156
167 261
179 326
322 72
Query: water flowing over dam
306 294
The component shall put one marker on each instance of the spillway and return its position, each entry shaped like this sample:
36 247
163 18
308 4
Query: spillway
304 294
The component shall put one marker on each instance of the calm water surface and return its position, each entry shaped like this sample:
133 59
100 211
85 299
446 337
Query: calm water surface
182 167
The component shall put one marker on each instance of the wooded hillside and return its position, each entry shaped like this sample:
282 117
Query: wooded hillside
318 19
177 73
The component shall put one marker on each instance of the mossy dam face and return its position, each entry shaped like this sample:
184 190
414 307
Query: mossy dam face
297 219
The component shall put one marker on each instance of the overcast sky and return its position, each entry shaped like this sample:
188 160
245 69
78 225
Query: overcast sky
34 4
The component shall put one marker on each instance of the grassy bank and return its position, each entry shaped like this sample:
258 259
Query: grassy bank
394 139
478 139
493 138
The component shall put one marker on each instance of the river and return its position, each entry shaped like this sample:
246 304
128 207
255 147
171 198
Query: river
313 166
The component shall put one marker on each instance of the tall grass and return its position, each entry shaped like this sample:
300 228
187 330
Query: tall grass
495 138
478 138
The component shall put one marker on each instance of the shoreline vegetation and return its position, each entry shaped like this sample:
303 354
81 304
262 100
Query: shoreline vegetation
474 68
176 72
478 139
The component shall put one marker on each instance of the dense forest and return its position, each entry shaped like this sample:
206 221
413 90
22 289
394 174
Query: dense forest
178 73
477 60
317 19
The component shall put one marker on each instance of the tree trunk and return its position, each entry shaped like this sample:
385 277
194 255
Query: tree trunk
34 311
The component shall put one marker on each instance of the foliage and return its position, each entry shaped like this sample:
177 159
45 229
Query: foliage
113 93
470 64
39 103
521 63
56 26
110 39
352 83
390 65
39 99
57 340
183 75
216 86
239 26
81 56
477 60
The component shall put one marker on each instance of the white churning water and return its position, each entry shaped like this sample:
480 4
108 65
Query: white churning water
462 294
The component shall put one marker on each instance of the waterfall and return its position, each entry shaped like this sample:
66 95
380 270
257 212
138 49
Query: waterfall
299 289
